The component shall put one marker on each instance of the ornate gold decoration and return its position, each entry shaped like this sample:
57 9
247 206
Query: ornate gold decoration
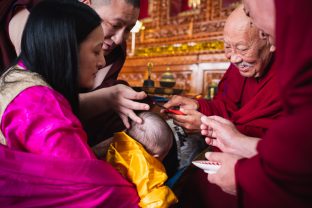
181 48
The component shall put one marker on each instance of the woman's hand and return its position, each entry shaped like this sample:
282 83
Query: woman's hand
223 134
225 176
119 98
122 100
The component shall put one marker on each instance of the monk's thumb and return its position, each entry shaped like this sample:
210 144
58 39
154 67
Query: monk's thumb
214 156
209 122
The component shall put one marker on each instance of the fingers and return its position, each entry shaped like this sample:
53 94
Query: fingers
136 95
210 123
174 101
219 119
132 105
215 156
190 122
177 100
209 141
208 130
134 117
129 93
126 113
125 120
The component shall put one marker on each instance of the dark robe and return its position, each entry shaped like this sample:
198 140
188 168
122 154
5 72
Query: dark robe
252 104
281 174
8 9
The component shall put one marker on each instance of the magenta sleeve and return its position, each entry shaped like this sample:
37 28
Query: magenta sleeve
40 120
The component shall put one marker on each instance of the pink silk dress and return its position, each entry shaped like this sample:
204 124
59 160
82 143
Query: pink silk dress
47 162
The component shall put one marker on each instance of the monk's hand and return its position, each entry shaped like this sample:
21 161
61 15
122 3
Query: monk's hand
221 133
225 176
182 102
123 102
190 121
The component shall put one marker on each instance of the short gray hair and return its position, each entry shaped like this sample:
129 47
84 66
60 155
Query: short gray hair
134 3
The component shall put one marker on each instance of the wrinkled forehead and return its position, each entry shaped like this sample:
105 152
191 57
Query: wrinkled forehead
241 35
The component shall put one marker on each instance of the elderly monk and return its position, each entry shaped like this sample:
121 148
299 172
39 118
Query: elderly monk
118 17
278 174
247 94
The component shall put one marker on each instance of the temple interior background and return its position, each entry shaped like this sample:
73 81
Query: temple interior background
182 37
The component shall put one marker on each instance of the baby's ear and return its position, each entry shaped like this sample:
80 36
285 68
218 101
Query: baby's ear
156 155
87 2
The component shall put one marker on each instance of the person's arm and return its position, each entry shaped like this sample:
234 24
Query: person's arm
40 120
222 133
223 104
119 98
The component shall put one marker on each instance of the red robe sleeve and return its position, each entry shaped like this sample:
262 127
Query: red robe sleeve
252 104
227 99
281 174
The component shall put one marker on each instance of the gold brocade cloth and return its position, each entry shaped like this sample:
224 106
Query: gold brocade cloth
148 174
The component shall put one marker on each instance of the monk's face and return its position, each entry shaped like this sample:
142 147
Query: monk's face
262 14
245 46
118 18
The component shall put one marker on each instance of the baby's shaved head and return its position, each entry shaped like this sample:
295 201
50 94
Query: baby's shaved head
154 134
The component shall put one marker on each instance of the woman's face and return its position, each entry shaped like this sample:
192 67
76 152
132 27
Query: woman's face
91 58
262 14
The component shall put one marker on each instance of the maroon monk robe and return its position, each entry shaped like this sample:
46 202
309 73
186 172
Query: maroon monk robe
8 9
252 104
281 174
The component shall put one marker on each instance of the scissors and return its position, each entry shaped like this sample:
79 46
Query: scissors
170 110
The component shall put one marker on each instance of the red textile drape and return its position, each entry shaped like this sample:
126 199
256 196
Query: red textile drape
177 6
143 9
280 175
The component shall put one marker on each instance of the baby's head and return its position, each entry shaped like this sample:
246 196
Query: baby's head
154 134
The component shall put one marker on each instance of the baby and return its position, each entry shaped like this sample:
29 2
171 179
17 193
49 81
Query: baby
137 154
